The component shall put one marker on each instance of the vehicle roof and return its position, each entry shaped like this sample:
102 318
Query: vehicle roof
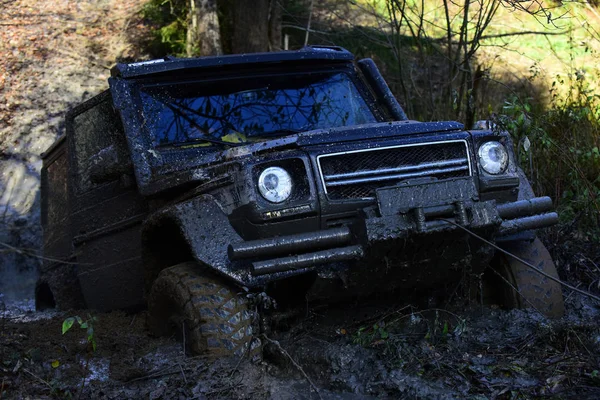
169 63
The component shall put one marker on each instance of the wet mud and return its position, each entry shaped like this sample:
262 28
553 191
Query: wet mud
347 351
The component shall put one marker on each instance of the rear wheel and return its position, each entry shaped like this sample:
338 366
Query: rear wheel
209 316
532 288
58 287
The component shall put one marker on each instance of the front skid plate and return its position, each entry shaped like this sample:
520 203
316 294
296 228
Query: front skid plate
401 199
390 227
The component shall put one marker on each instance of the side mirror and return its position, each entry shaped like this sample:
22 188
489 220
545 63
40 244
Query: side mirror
109 164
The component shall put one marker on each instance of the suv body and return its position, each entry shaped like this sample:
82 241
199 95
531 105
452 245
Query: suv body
168 165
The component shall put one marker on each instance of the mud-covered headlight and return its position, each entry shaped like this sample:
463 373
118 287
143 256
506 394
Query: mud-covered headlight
275 184
493 157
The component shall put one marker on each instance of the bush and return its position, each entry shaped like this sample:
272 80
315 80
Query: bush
168 19
559 147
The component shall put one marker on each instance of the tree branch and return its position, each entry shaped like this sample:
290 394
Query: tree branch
501 35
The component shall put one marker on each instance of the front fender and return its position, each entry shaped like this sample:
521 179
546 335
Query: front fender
196 229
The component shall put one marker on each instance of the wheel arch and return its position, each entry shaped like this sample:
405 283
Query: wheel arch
163 245
195 230
44 296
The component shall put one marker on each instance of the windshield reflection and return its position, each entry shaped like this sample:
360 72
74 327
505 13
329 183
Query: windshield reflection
184 113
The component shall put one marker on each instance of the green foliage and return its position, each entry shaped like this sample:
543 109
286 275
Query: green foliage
370 335
434 330
88 325
168 17
559 147
440 329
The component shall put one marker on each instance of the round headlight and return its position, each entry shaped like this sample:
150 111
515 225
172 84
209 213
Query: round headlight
493 157
275 184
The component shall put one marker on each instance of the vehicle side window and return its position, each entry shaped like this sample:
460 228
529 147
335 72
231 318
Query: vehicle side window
97 131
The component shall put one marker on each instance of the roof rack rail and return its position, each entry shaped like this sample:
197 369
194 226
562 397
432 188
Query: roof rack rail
318 47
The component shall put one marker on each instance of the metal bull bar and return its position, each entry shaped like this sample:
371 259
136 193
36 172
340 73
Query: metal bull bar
306 260
526 215
525 207
292 247
305 250
290 244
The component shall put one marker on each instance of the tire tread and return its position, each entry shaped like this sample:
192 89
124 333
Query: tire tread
220 319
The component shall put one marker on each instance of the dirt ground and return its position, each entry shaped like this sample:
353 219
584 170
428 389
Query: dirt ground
53 55
376 349
56 54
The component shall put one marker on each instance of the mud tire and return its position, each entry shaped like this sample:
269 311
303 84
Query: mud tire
211 317
534 289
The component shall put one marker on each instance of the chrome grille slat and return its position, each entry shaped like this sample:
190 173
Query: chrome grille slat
458 161
359 173
398 176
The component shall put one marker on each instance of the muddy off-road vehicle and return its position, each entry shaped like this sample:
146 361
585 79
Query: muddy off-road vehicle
205 188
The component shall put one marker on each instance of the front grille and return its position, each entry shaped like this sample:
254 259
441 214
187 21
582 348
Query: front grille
358 174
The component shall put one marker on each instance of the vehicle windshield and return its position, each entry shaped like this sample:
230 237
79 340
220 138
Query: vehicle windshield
250 109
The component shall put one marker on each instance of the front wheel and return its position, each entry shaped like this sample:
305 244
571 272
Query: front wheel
516 285
209 316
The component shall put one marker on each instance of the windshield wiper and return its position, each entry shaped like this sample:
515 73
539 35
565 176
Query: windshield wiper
200 140
218 141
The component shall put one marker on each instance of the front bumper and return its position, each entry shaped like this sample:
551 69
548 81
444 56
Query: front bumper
306 251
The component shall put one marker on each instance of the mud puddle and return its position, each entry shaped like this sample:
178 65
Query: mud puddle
352 351
22 310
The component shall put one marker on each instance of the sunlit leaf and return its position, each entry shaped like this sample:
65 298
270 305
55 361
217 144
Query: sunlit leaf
67 324
526 144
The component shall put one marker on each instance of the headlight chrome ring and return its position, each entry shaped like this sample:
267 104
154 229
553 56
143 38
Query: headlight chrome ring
493 157
275 184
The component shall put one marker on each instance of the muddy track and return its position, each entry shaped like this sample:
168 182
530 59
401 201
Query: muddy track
352 351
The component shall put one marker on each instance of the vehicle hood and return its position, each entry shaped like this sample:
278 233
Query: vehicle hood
346 134
375 131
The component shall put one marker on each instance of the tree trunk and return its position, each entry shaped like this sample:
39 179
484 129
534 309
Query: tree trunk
275 13
203 35
256 26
